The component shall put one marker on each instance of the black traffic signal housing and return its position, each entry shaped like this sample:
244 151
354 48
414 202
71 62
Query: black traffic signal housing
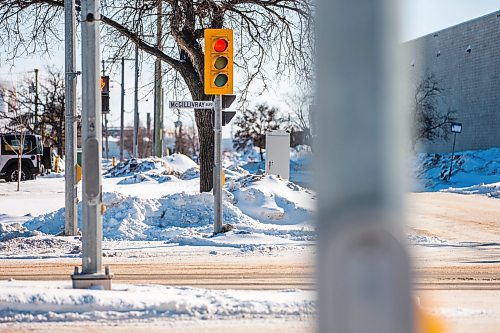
105 94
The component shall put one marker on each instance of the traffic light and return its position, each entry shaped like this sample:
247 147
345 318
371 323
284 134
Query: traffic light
218 61
105 94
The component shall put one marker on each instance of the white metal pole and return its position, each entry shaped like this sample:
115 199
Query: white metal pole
92 140
217 164
70 226
363 268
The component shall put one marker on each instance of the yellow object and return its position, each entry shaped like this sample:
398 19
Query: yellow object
103 209
223 178
56 165
78 173
113 162
427 323
218 72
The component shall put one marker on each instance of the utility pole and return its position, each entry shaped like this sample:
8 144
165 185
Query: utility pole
136 105
36 98
122 112
71 225
158 114
218 164
364 275
91 275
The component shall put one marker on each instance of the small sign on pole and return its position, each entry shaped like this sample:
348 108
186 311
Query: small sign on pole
191 104
456 127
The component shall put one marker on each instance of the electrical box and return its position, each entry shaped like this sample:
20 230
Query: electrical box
278 154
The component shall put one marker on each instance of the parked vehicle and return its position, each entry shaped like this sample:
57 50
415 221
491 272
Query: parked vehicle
31 159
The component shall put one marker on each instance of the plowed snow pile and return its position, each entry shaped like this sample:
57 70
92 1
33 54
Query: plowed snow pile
262 209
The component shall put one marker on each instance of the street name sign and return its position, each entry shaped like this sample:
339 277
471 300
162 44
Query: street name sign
191 104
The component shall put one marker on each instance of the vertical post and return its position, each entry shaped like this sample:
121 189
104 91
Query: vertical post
71 225
363 267
106 135
217 164
92 140
158 114
149 149
452 156
122 112
136 105
105 121
36 98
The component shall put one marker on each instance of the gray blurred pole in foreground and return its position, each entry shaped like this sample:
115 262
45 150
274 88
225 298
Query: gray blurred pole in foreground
91 140
363 268
70 226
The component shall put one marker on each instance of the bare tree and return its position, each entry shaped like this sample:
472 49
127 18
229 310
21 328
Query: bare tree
253 125
276 32
300 118
428 122
50 122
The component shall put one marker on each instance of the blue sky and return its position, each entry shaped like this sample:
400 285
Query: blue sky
418 17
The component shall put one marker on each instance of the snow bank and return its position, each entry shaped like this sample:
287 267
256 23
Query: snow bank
187 219
469 168
490 190
270 199
171 165
56 301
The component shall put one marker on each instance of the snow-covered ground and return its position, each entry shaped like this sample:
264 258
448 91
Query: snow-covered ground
57 301
471 170
159 200
153 210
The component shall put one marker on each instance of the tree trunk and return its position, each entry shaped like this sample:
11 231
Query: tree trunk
205 125
206 136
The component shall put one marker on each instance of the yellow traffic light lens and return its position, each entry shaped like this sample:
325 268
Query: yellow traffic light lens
220 45
220 80
221 63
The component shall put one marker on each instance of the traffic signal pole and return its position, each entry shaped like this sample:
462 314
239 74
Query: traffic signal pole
91 275
70 226
217 164
364 280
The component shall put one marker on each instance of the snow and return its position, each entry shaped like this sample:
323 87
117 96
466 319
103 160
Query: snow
55 301
159 200
470 168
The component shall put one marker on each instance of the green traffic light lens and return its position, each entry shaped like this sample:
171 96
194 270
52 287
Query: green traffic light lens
221 63
221 80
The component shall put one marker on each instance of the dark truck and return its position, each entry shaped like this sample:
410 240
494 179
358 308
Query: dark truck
31 159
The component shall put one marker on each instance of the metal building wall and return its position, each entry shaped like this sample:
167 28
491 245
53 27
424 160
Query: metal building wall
471 79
